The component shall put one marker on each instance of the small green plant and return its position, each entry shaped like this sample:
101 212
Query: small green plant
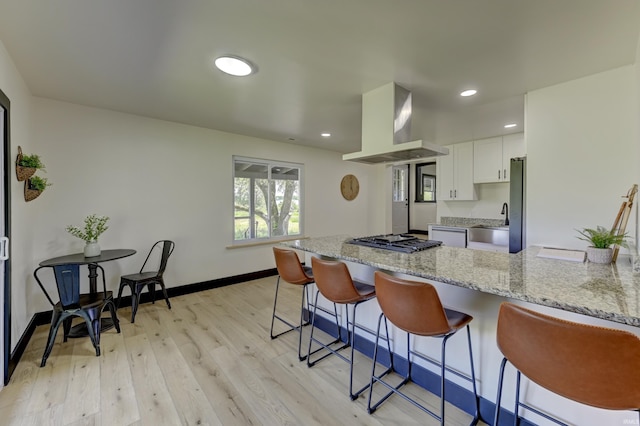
32 161
94 225
601 237
38 183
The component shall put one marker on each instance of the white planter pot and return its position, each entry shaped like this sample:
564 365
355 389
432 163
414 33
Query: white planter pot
599 255
92 249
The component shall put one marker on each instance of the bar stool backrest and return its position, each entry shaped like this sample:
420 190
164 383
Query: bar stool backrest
413 306
289 267
334 281
593 365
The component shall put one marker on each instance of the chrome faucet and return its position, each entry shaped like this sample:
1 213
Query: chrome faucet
505 211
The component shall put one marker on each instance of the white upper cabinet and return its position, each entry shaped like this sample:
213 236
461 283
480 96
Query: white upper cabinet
455 173
492 157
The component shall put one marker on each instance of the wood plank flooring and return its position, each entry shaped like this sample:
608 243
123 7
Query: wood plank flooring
208 361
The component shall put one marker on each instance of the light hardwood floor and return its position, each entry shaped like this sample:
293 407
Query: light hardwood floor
209 360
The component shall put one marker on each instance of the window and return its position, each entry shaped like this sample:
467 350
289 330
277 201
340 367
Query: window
426 182
267 199
398 189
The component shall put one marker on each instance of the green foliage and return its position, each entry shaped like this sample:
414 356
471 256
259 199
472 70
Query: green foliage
601 237
275 204
32 161
94 225
38 183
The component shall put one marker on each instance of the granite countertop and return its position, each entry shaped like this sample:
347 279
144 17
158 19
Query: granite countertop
467 222
610 292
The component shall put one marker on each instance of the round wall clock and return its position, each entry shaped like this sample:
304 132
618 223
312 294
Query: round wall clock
349 187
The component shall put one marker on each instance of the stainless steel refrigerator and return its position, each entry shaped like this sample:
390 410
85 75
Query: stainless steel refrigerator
517 203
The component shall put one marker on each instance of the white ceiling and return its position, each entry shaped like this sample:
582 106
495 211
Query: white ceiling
315 59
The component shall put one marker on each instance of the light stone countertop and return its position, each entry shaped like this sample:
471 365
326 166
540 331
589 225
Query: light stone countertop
610 292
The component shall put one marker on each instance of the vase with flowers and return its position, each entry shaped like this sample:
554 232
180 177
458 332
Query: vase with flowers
94 226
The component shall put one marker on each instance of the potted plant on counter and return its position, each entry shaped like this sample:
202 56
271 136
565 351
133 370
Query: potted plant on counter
601 240
94 226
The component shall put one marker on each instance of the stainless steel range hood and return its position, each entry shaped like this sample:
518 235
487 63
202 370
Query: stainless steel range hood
386 129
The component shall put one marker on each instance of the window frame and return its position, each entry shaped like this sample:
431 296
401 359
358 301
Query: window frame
270 164
420 183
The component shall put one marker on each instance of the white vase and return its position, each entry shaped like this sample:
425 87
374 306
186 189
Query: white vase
92 249
599 255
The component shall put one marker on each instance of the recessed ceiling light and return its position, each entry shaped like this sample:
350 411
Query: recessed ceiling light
469 92
326 135
234 65
508 126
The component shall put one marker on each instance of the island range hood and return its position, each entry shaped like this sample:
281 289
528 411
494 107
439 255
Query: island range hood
386 129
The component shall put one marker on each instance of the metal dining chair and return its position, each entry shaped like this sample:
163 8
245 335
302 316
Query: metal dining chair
150 279
72 303
592 365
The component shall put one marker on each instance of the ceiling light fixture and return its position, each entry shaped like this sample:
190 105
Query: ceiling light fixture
469 92
509 126
326 135
235 65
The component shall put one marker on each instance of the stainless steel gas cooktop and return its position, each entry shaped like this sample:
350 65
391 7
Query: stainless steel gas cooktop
396 242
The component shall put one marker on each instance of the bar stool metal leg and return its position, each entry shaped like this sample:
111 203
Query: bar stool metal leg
415 308
328 345
292 327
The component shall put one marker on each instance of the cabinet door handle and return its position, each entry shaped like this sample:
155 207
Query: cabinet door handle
498 174
450 194
505 173
455 193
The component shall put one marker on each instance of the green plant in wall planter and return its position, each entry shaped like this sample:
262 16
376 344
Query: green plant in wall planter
32 161
34 186
27 165
601 240
39 184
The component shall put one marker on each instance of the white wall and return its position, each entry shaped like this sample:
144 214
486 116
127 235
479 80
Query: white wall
158 180
582 155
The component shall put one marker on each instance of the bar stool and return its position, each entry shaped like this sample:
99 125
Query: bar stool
415 307
592 365
291 270
334 282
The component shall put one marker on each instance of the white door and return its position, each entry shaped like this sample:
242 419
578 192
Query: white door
400 199
5 282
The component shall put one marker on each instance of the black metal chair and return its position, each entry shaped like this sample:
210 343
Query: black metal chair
150 279
88 306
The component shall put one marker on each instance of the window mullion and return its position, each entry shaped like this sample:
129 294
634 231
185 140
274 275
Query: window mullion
252 205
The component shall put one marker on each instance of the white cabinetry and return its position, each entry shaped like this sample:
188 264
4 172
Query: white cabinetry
455 173
492 157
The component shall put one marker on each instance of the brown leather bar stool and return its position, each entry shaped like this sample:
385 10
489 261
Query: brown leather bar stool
291 270
334 282
596 366
415 307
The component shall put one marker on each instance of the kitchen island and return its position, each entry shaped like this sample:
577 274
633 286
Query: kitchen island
477 282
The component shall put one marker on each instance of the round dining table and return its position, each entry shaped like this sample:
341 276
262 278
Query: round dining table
80 330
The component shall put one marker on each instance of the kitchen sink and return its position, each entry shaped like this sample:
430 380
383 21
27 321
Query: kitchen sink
496 235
